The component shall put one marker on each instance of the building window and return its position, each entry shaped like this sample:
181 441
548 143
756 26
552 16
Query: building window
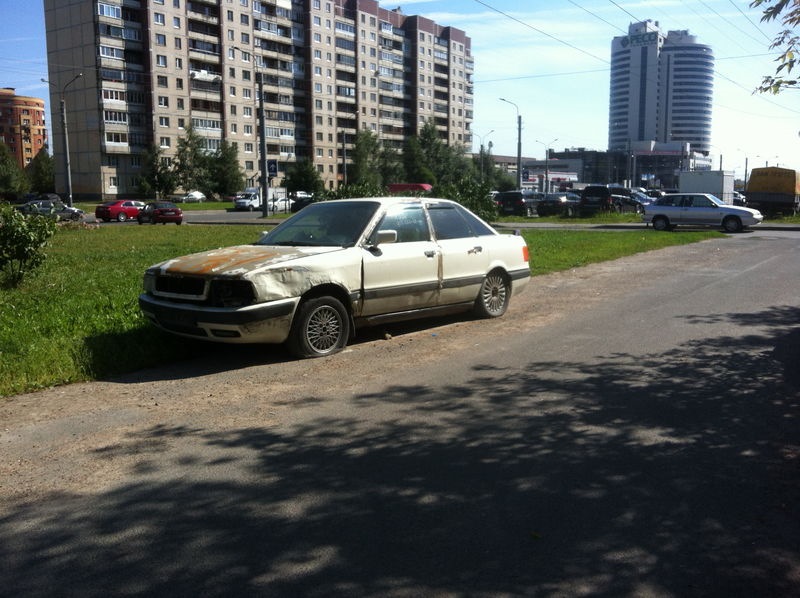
176 22
180 103
161 39
163 121
248 148
248 129
161 60
161 81
163 101
164 142
159 19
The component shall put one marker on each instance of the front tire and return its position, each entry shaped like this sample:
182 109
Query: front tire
122 217
493 298
321 327
732 224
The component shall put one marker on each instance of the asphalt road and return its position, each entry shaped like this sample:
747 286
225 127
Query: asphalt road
627 429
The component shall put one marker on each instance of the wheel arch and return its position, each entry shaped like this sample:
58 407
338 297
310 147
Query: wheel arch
331 289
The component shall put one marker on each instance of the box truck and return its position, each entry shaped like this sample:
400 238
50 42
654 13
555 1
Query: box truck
715 182
773 190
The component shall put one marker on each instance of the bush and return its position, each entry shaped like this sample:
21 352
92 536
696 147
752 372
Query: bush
22 243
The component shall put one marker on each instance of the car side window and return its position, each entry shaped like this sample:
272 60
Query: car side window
701 202
448 223
409 222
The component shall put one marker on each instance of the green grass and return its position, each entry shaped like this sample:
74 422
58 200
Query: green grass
77 318
556 250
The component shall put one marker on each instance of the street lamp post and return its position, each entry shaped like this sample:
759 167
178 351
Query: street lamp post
519 142
547 163
63 107
481 137
264 179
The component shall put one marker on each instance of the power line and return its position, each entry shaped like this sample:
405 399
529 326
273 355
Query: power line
553 37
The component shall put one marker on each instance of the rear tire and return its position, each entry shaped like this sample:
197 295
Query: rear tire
321 327
660 223
492 300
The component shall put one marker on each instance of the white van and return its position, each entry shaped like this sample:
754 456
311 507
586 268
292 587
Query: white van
249 199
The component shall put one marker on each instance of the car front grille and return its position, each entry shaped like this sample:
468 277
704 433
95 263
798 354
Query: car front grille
181 285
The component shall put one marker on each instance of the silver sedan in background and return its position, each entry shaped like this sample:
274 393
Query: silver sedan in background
698 209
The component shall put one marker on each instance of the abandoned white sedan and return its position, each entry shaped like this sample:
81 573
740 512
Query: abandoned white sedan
336 265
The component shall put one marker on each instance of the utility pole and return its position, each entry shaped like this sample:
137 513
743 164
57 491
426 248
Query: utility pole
519 142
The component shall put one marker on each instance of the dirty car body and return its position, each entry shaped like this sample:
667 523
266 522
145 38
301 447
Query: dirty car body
334 266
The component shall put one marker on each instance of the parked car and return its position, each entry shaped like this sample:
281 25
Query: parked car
120 210
596 198
517 203
193 197
335 266
282 204
51 207
558 204
698 209
160 211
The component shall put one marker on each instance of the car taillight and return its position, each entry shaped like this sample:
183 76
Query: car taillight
526 253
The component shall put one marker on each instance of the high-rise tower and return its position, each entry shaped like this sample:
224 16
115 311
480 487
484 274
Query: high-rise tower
661 88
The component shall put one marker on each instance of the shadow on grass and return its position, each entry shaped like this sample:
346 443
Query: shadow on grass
665 474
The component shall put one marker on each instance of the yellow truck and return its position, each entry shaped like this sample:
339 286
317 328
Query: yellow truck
772 190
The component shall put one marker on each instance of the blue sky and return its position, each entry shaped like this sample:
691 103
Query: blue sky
551 58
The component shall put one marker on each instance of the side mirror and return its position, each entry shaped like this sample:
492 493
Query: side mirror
386 236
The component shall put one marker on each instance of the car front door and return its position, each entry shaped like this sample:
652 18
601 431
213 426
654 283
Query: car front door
404 275
464 258
698 209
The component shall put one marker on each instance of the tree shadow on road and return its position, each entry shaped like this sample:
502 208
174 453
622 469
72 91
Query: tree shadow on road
670 474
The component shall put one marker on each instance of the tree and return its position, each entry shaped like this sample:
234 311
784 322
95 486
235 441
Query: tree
788 11
226 173
366 158
193 165
12 178
157 176
303 176
415 163
471 194
22 243
41 173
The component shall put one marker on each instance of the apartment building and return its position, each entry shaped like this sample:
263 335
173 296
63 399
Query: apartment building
661 89
22 125
322 69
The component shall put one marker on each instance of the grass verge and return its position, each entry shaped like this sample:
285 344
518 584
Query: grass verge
77 318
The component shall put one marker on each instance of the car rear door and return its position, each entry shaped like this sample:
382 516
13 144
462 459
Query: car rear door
464 258
404 275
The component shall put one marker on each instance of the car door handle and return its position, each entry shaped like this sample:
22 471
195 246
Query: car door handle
476 249
430 253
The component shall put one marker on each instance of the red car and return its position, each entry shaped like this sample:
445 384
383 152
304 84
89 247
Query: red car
120 210
160 211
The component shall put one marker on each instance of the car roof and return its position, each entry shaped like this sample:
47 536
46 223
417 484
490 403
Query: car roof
392 200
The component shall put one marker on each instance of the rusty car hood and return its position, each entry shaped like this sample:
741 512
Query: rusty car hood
238 260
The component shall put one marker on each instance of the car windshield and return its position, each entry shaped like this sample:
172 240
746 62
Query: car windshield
330 223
